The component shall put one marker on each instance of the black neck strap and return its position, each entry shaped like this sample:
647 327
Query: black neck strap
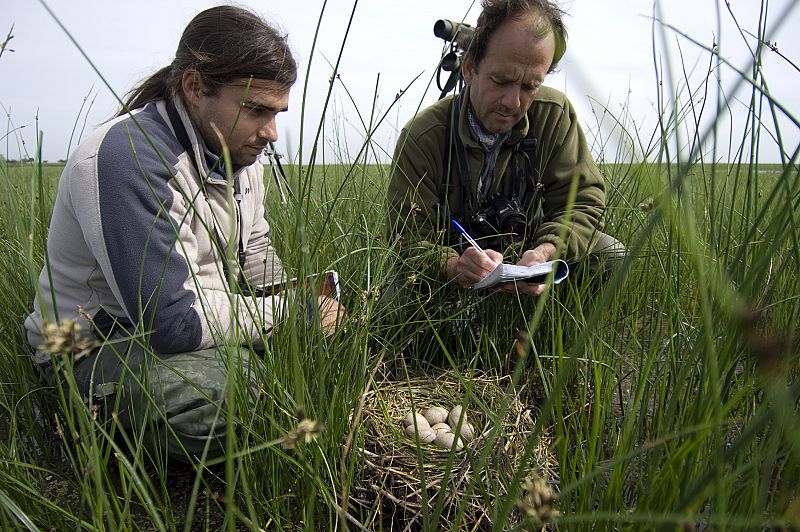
457 164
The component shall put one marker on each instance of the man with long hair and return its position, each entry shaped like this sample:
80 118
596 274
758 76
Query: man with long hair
148 255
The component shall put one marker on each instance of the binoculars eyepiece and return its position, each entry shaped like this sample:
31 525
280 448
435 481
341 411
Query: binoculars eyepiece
459 33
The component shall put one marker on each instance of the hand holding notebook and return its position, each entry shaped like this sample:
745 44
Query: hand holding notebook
514 273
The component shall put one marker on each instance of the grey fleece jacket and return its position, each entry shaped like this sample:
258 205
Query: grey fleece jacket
133 239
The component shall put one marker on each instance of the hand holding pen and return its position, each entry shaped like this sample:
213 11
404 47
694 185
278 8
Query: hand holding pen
474 264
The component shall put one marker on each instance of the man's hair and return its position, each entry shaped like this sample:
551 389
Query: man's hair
495 12
222 44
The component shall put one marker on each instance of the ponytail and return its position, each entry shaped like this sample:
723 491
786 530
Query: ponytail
156 87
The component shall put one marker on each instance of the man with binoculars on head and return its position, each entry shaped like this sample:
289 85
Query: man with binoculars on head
505 158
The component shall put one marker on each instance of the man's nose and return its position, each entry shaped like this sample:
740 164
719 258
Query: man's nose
511 97
269 130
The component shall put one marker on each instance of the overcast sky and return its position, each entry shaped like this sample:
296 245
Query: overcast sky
609 63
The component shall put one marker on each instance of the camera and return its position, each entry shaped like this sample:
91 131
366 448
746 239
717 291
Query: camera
500 215
457 32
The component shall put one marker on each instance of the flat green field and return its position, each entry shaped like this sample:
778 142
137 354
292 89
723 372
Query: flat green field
662 395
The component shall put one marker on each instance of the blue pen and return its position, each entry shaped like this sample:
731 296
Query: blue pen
466 235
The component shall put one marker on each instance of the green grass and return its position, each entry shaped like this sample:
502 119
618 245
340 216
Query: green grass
664 404
670 388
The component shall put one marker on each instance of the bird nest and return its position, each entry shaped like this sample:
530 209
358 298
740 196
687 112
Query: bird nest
461 487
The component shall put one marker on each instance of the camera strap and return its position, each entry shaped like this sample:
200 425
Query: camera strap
462 161
456 163
527 149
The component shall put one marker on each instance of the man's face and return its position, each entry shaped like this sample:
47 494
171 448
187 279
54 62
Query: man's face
243 112
504 84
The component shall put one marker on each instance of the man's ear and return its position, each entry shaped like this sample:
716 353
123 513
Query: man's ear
191 86
468 70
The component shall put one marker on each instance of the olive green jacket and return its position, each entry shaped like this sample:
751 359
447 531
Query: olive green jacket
562 159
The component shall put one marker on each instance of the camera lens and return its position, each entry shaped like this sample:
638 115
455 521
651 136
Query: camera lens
510 217
514 223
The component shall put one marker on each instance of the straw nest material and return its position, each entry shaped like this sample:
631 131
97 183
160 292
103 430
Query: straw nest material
393 463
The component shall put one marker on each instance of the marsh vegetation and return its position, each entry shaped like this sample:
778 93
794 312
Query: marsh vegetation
668 390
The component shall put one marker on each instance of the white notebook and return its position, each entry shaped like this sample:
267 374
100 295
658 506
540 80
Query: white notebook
536 274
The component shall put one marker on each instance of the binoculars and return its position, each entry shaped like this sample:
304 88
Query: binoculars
458 33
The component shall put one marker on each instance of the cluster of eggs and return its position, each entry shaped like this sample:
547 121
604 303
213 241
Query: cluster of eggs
436 425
